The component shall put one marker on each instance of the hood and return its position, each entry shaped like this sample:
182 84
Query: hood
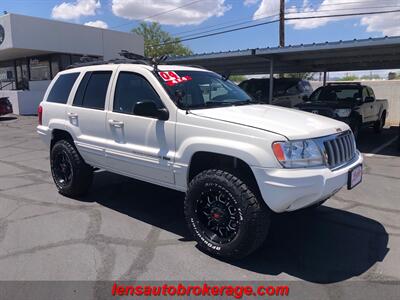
327 104
291 123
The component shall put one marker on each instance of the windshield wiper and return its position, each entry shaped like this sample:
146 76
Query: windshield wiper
218 103
245 102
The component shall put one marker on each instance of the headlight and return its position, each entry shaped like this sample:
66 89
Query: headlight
343 112
298 154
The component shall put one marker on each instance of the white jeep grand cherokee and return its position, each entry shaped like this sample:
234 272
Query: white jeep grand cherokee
191 130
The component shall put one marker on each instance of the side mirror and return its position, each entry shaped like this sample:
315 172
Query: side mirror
369 99
149 109
306 98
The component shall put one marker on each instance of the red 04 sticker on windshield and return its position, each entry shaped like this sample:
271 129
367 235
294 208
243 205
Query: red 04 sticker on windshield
171 78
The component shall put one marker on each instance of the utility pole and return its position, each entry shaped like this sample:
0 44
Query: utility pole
282 24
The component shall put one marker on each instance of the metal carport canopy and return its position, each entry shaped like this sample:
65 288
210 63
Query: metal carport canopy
367 54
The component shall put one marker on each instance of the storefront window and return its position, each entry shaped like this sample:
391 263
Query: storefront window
40 68
55 65
22 74
7 75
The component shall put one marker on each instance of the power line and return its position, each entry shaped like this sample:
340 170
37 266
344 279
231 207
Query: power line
259 19
343 15
268 17
216 33
228 26
275 21
320 4
339 9
158 14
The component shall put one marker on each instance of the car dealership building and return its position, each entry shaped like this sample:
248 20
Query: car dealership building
34 50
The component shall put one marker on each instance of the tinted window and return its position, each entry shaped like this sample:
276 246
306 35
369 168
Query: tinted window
336 93
93 89
364 93
371 92
62 87
131 89
204 89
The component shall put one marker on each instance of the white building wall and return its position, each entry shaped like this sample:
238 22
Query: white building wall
28 36
54 36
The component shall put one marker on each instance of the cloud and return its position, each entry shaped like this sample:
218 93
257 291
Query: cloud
250 2
98 23
192 14
267 8
74 10
388 24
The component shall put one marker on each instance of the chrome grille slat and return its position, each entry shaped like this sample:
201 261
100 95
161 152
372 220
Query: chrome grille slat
337 152
342 151
339 149
329 152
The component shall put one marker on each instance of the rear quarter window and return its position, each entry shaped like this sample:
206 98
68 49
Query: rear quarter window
62 88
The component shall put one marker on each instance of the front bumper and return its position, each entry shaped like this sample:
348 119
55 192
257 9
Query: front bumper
293 189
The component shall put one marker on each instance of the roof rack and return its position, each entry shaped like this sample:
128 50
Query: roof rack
129 58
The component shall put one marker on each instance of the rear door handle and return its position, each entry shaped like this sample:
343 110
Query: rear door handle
72 115
115 123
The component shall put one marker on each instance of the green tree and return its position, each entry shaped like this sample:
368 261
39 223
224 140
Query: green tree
237 78
349 78
371 76
153 35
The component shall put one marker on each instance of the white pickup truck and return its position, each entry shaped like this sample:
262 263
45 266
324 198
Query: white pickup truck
191 130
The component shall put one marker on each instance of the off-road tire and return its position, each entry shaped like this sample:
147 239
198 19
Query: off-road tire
378 125
82 173
255 215
355 126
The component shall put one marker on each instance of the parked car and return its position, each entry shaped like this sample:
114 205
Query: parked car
5 106
287 92
191 130
352 103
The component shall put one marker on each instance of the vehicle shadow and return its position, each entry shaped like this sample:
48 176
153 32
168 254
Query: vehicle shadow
326 245
7 118
368 141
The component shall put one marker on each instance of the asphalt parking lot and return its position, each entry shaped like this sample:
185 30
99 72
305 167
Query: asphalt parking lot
128 230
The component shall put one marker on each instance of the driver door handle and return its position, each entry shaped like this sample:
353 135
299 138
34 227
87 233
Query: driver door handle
116 123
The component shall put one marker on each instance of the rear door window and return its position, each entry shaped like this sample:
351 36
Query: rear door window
92 90
62 88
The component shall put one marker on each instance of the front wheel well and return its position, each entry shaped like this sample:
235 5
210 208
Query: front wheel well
202 161
58 135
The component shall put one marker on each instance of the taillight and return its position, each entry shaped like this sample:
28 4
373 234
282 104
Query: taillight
40 114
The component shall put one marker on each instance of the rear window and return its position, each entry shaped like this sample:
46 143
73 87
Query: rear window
92 90
62 88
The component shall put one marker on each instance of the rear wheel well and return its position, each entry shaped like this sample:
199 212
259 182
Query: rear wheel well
58 135
202 161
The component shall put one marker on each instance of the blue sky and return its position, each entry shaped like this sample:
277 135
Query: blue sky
199 15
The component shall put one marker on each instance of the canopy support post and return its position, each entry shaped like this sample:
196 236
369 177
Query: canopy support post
271 80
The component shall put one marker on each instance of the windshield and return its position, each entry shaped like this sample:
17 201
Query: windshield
336 94
198 89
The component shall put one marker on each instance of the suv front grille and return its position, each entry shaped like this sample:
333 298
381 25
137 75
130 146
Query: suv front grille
339 150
